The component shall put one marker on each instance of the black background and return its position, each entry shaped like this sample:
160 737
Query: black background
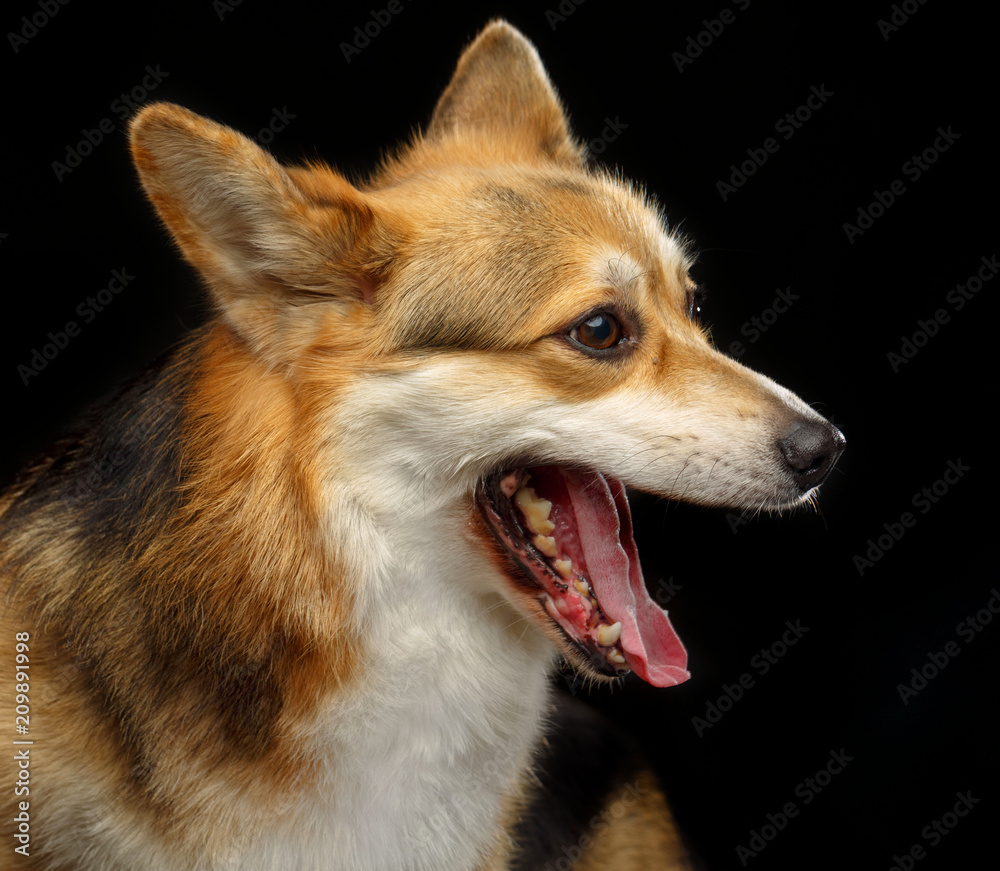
679 132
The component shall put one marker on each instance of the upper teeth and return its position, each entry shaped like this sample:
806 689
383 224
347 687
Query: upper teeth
534 510
536 513
546 544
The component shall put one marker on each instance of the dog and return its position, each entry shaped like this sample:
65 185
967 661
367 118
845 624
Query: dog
293 597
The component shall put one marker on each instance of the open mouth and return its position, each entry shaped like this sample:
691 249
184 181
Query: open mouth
570 532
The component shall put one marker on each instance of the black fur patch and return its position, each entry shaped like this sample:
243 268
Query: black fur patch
117 471
108 490
585 760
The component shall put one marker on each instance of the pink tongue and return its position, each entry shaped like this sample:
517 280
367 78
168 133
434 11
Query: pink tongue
604 524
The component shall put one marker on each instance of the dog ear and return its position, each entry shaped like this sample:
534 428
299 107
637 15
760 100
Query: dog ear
265 244
501 94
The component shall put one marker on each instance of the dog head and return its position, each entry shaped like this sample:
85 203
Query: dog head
491 339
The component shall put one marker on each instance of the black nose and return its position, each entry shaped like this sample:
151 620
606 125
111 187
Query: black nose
810 449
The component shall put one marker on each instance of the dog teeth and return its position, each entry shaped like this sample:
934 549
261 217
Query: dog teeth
534 510
564 567
582 587
616 657
546 544
511 481
608 635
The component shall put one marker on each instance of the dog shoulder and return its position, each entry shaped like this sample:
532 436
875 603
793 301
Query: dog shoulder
596 805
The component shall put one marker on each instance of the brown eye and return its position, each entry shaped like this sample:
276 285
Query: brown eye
598 332
695 300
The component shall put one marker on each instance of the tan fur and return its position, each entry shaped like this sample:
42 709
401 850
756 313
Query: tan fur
641 834
225 587
211 579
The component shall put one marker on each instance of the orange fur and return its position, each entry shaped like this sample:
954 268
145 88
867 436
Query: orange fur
262 574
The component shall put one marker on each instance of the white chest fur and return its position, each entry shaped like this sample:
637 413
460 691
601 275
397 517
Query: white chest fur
421 755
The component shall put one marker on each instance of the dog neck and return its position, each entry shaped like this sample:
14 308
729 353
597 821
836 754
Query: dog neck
443 718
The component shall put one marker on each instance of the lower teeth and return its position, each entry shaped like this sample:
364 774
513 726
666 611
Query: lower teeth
535 513
546 544
608 635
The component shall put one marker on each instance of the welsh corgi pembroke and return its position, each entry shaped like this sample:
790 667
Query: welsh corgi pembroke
293 597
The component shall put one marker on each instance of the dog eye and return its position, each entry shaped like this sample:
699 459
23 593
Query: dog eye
695 300
599 332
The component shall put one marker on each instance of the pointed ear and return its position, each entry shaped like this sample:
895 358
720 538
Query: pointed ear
501 92
261 243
